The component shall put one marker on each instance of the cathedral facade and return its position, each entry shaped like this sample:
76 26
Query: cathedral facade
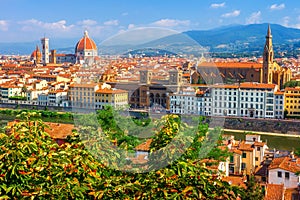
272 72
235 72
86 52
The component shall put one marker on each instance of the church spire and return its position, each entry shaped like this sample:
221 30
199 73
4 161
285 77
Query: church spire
269 34
268 57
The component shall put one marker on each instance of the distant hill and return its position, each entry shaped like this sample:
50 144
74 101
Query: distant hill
227 40
246 38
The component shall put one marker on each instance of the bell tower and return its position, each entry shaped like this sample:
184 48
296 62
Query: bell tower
45 50
268 57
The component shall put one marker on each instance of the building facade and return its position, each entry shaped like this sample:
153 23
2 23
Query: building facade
82 95
106 95
292 101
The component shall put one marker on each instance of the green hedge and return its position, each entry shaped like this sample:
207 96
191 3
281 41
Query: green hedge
19 98
49 116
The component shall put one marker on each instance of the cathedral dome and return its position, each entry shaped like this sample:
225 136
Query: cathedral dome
36 53
85 43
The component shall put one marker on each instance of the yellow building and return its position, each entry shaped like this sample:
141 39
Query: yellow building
292 101
106 95
82 95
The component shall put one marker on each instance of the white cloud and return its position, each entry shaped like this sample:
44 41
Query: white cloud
254 18
234 13
87 22
277 6
216 5
171 23
131 26
286 21
3 25
33 23
111 23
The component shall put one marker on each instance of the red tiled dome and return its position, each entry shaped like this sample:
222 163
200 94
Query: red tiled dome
36 53
85 43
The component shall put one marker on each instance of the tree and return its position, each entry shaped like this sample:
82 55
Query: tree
254 190
34 166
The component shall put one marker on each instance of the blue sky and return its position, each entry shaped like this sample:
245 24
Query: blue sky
29 20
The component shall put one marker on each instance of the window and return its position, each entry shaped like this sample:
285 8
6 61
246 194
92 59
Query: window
279 174
244 155
258 148
287 175
231 159
256 158
243 166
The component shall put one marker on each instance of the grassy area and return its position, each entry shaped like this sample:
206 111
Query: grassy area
7 115
277 142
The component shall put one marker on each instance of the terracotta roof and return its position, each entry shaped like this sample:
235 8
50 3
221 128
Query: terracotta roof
285 163
236 180
58 130
291 193
257 85
225 86
292 89
110 91
245 147
231 64
55 130
145 146
274 192
259 144
83 85
235 151
85 43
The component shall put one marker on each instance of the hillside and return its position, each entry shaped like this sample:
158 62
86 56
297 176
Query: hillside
234 39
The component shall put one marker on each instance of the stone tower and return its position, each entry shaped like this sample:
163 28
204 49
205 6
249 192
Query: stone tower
175 77
145 76
45 50
268 55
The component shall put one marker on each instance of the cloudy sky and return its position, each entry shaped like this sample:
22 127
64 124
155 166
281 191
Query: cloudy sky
29 20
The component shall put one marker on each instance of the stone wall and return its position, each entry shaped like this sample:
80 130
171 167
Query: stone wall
263 125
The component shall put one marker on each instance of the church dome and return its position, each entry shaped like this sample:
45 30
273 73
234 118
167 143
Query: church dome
85 43
36 54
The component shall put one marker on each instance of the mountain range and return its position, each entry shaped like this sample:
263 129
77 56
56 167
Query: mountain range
233 39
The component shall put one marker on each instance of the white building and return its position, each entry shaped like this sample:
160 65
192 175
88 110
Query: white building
255 100
56 97
184 102
279 105
283 171
43 99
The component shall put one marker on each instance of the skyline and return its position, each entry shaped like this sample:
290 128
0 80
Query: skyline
23 21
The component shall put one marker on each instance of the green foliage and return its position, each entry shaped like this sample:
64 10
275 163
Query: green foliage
292 83
19 98
254 190
50 116
33 166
